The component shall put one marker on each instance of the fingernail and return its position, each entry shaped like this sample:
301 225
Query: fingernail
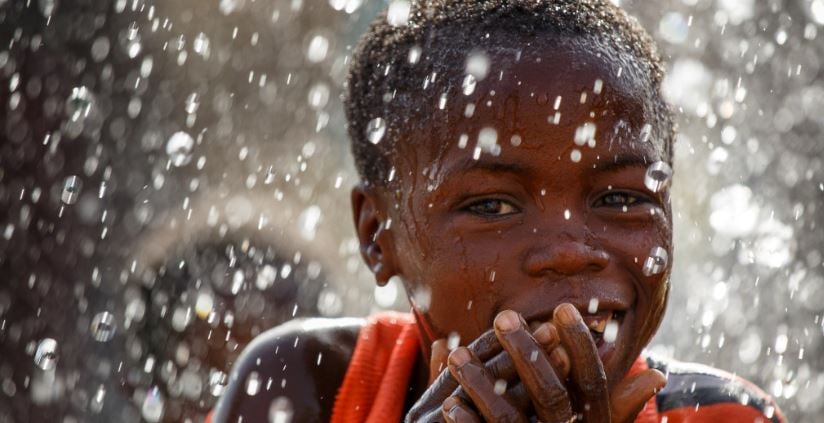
507 321
545 334
450 403
567 314
459 357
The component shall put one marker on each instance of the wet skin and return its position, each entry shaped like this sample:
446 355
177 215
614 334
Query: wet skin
550 230
529 229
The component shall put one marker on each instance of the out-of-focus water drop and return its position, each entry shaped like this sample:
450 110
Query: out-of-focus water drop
488 141
734 212
96 403
817 11
398 13
47 7
103 327
673 28
318 48
414 54
750 347
227 7
281 411
375 130
201 45
575 155
477 65
179 148
585 133
71 190
153 405
385 296
318 96
468 84
656 262
308 222
45 356
253 383
658 176
453 341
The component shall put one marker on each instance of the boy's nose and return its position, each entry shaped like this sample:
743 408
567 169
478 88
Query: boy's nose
566 256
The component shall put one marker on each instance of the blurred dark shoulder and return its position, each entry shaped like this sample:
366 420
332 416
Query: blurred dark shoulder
294 369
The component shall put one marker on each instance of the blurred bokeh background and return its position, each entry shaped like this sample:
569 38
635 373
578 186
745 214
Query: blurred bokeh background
174 179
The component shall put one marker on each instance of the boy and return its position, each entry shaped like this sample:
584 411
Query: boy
514 158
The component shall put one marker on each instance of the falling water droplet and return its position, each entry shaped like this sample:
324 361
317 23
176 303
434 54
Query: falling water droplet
414 54
45 357
47 7
656 262
79 104
375 130
453 341
500 387
575 155
646 131
217 383
280 411
179 148
253 384
592 308
153 405
201 45
103 327
658 176
318 48
468 84
71 190
192 103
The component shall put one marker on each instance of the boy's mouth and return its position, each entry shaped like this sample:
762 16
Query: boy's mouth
604 327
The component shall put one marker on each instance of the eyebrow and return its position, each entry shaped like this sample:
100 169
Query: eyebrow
623 161
486 164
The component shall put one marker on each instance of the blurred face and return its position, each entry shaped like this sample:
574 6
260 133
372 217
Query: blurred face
545 203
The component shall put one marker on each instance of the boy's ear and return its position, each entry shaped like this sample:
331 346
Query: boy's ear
376 244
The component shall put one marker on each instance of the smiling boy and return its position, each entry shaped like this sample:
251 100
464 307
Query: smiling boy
514 158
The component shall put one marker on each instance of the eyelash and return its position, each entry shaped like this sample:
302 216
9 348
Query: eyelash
629 199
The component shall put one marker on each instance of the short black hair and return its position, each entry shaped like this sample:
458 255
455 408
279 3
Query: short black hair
383 83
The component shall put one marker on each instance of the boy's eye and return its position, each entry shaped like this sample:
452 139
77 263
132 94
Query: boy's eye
492 207
618 199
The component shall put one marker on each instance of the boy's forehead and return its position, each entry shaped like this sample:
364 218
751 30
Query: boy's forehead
539 94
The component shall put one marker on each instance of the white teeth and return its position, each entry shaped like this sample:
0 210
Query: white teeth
598 325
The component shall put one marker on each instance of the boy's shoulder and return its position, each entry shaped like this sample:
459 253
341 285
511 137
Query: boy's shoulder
298 365
696 392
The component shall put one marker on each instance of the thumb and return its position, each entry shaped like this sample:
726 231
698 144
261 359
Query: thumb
630 395
440 353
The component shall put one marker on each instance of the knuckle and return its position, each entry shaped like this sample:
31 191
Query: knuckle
553 398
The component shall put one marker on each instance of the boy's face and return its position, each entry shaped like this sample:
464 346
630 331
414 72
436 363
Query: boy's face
544 222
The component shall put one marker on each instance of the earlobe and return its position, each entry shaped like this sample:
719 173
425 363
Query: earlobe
376 244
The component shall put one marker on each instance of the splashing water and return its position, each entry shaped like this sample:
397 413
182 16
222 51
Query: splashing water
103 327
658 176
656 262
45 357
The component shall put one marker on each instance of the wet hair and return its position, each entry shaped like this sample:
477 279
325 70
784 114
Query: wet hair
384 83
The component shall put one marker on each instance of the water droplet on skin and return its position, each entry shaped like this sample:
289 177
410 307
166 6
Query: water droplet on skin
217 383
453 341
468 84
266 277
611 331
375 130
656 262
515 140
45 357
71 190
253 384
567 214
398 13
179 148
598 86
153 405
646 131
103 327
477 65
575 155
658 176
584 133
488 141
500 387
463 140
281 411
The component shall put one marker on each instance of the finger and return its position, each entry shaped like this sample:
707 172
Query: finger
456 411
587 371
631 394
480 387
548 394
437 363
547 336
